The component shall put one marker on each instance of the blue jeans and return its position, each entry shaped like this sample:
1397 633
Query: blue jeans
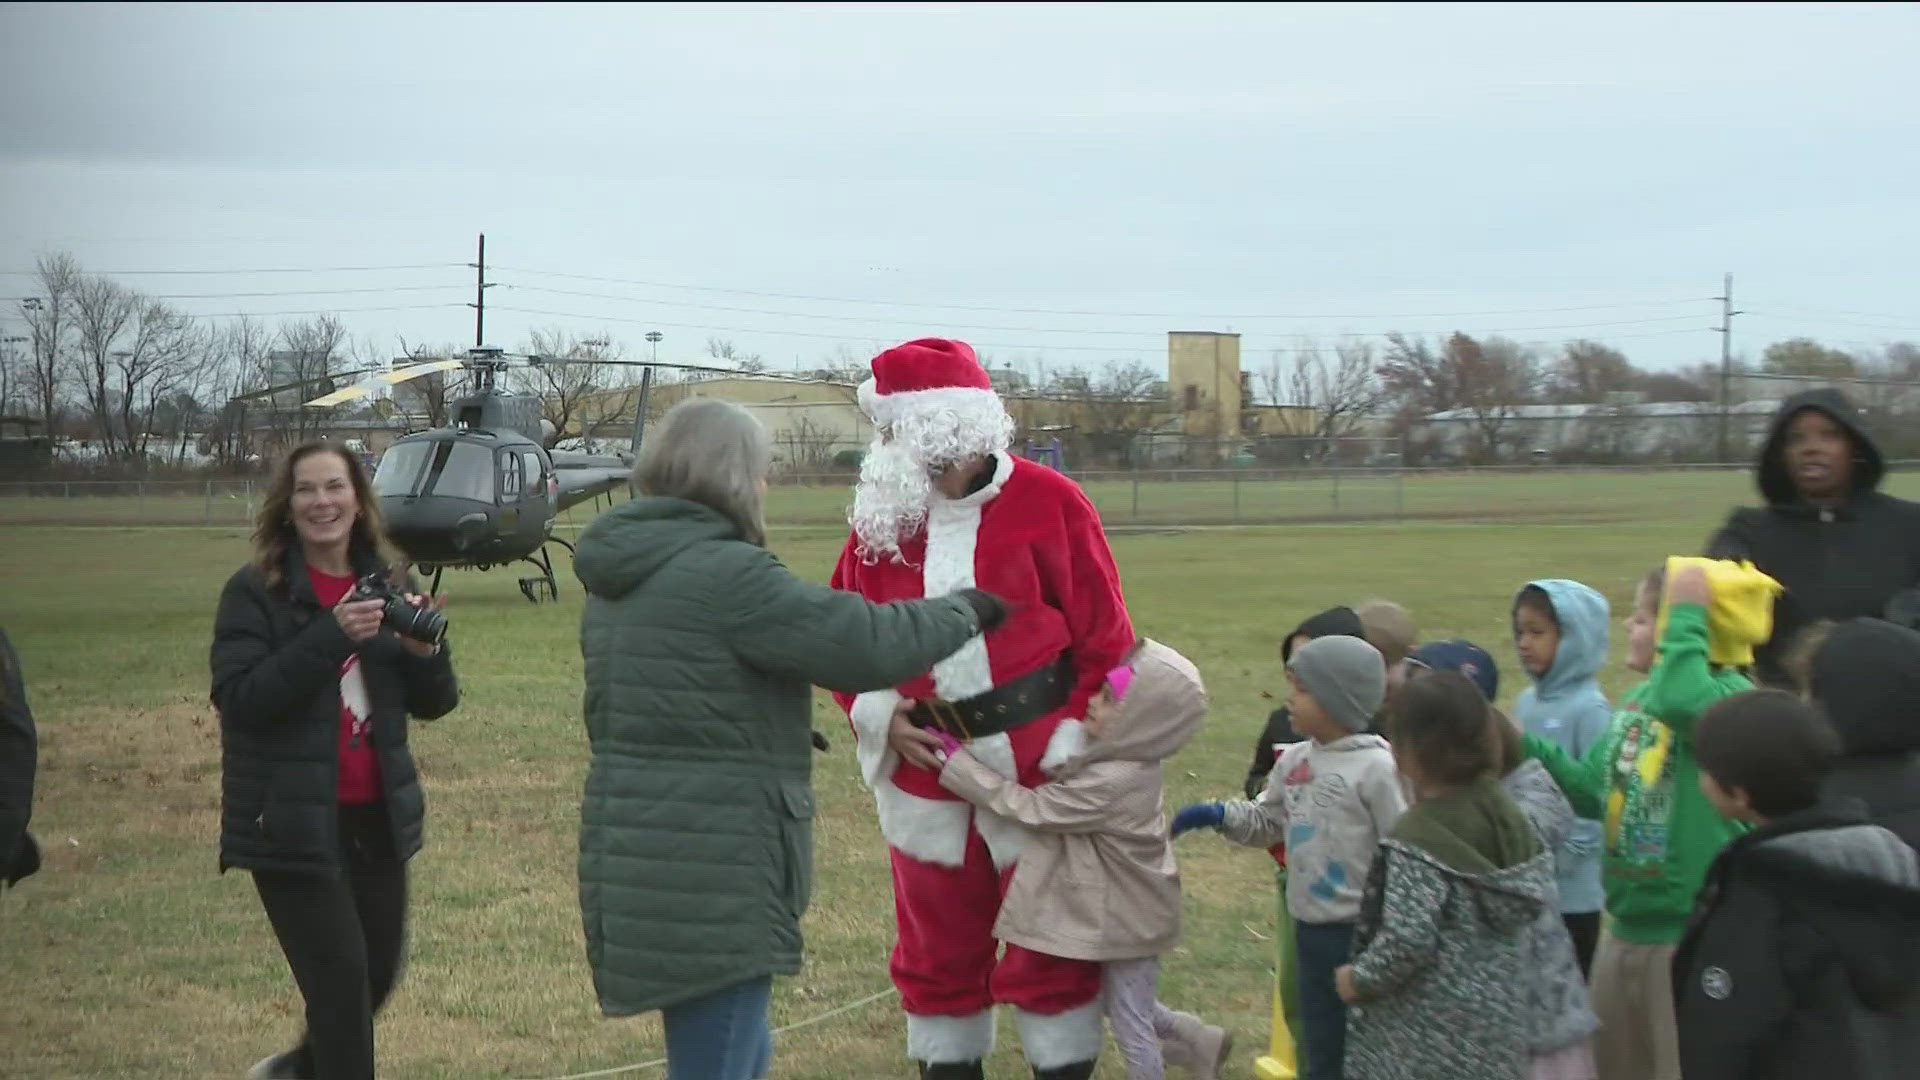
722 1036
1321 947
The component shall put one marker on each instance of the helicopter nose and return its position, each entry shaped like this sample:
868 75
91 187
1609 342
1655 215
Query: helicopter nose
468 530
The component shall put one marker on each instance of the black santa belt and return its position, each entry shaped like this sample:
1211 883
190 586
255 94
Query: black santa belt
1026 699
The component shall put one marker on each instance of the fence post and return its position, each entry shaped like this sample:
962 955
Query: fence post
1399 494
1336 489
141 497
1235 480
1136 496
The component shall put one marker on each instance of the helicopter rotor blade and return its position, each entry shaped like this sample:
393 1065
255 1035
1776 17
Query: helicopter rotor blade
299 384
386 378
662 364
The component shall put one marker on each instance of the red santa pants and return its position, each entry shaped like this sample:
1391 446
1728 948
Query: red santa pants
944 961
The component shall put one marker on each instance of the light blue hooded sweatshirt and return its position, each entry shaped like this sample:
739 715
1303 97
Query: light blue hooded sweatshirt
1566 706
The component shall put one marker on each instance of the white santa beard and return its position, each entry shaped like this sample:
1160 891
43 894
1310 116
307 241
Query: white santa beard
891 500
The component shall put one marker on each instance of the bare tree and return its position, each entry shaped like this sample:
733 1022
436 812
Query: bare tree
49 319
809 446
309 354
1334 396
722 349
1587 371
237 360
564 389
1490 379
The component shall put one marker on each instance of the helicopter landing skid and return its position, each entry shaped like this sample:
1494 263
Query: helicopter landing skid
535 588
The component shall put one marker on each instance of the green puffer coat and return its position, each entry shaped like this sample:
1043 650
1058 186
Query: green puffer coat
696 832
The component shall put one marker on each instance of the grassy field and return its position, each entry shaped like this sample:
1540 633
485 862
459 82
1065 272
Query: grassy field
130 956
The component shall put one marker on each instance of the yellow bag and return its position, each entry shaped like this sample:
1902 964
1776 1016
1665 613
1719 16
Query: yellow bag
1741 613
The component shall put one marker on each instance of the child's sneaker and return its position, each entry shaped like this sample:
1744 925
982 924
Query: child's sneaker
1197 1046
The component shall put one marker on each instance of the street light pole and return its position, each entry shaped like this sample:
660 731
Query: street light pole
653 339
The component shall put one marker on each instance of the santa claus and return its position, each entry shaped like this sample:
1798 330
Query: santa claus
942 505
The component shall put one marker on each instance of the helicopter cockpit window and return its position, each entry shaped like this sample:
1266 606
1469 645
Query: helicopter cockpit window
399 469
510 478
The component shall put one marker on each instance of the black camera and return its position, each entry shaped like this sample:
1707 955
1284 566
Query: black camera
422 624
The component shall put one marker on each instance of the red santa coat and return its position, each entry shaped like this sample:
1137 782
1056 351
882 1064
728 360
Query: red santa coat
1032 538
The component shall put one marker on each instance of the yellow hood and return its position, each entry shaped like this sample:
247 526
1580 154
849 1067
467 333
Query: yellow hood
1741 614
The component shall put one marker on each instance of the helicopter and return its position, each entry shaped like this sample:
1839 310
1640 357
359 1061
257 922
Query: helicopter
484 490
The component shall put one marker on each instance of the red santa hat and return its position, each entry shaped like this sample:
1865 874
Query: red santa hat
931 376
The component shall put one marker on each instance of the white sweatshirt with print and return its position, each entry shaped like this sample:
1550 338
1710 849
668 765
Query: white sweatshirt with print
1330 803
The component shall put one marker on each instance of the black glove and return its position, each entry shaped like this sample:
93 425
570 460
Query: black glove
820 743
989 609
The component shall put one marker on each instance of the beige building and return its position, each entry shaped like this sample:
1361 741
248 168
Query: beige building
1203 378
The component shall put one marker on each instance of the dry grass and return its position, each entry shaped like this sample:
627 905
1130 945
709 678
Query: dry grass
130 956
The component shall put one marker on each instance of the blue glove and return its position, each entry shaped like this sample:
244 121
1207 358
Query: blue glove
1200 815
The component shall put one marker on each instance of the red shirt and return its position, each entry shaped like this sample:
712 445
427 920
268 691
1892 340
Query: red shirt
359 765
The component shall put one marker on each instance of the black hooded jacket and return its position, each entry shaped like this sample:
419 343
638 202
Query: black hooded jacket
19 754
1834 563
1866 677
1803 955
1333 622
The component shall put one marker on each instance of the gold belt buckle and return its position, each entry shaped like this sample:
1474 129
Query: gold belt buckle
945 713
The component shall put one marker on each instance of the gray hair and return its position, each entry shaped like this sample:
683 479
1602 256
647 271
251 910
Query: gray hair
714 453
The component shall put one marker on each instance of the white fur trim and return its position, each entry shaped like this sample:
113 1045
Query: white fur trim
1005 838
996 753
964 400
871 713
1063 1038
953 529
868 394
950 1040
930 830
1069 741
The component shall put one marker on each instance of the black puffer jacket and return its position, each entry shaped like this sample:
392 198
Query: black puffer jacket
1835 563
19 755
1867 679
276 680
1333 622
1803 955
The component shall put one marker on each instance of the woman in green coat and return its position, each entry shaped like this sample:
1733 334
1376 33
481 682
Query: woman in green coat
696 837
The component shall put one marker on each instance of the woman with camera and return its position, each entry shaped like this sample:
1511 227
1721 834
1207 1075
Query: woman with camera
696 841
319 798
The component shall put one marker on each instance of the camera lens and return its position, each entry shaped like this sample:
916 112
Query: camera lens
419 623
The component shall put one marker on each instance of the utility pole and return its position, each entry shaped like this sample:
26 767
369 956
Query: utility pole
480 288
1725 330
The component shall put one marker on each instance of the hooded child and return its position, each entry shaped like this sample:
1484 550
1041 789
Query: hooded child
1694 626
1438 981
1560 631
1561 1022
1803 956
1331 798
1098 881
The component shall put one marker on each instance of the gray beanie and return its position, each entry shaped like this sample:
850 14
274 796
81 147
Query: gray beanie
1345 675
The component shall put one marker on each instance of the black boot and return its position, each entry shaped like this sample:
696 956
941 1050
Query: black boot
952 1070
1079 1070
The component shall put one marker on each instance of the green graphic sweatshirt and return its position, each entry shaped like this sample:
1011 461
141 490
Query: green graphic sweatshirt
1642 783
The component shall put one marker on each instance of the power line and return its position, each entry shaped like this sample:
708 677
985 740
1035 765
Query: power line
1090 313
318 311
1834 322
1010 329
301 292
1005 346
258 270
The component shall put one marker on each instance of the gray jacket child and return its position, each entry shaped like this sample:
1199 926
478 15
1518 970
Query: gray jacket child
1557 1001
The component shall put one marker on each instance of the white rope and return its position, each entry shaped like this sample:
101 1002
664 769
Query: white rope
657 1062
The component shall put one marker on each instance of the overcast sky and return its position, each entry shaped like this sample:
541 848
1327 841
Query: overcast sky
1069 182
